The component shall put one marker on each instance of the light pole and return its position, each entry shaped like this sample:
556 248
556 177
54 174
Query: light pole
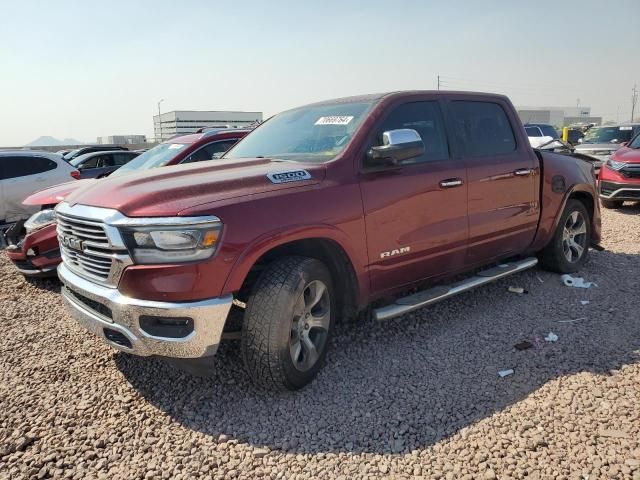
160 119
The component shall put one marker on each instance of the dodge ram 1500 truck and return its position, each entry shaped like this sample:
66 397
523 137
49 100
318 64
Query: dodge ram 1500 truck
368 203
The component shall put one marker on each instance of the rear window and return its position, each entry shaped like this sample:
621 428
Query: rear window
22 166
483 128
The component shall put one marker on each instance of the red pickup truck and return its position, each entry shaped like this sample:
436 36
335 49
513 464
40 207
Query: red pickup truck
38 255
317 214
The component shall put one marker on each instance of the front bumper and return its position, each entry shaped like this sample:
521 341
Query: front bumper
619 191
116 319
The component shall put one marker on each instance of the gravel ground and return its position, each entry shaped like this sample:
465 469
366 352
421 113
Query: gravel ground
417 396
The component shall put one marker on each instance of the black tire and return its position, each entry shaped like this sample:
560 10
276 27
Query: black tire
554 256
611 203
274 322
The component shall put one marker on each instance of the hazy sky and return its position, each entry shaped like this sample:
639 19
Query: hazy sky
83 69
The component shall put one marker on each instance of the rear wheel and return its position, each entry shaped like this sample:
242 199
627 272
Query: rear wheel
611 203
569 247
288 322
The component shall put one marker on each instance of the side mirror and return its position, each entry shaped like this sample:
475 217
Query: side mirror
397 146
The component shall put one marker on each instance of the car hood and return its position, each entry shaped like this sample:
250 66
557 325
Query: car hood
57 193
169 190
627 155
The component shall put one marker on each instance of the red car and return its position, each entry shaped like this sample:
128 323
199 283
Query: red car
319 212
620 176
38 254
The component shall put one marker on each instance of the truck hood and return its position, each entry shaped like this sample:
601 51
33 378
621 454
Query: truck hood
169 190
57 193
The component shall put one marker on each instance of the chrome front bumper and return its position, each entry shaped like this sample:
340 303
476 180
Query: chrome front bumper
103 311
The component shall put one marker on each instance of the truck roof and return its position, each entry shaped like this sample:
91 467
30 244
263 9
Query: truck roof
403 93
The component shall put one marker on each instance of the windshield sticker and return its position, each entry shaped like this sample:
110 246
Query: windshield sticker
175 146
626 128
291 176
334 120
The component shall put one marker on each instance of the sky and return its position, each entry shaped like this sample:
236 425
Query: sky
82 69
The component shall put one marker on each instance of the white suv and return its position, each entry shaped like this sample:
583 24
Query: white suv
23 172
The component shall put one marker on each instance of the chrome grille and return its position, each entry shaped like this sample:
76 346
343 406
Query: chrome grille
87 250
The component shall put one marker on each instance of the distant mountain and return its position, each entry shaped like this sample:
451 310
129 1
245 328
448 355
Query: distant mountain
48 141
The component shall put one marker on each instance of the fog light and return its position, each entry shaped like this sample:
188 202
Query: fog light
167 327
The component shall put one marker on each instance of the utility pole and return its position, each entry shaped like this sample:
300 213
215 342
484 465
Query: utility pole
160 119
634 100
438 82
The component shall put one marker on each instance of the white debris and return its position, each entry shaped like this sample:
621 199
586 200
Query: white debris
552 337
577 282
505 373
572 320
516 290
584 302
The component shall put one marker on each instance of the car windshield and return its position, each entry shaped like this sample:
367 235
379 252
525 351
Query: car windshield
156 157
608 135
635 143
309 134
71 154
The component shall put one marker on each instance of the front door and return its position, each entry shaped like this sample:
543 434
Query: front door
415 212
503 176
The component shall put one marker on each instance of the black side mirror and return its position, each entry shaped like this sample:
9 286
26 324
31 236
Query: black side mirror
397 146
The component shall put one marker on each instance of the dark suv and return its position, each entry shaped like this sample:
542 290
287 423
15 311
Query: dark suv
94 148
102 164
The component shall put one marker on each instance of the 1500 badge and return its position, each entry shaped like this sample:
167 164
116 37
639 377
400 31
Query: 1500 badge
290 176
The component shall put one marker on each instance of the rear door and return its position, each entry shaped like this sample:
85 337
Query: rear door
22 176
415 212
503 178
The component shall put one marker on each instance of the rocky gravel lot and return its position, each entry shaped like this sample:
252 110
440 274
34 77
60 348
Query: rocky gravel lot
417 396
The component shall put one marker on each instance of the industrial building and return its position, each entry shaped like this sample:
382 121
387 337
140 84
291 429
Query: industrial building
180 122
122 140
557 116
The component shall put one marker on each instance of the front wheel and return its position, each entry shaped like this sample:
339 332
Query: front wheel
569 247
288 322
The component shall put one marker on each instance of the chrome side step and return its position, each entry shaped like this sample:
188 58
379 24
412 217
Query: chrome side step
432 295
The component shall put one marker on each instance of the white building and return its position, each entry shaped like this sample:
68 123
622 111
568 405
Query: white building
180 122
557 116
122 140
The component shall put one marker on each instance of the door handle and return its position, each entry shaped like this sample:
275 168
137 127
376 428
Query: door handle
451 182
522 172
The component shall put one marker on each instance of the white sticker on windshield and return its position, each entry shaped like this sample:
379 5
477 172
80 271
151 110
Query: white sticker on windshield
335 120
626 128
175 146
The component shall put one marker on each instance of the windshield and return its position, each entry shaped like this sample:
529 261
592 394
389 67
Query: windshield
71 154
158 156
608 135
308 134
635 143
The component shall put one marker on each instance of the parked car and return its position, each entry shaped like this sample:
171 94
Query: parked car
575 136
38 253
102 164
620 176
93 148
23 172
317 213
541 130
599 143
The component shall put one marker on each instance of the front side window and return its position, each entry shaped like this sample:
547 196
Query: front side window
317 133
426 119
120 159
158 156
482 128
22 166
208 151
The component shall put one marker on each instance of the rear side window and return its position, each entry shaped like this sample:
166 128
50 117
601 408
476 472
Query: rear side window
483 128
120 159
15 167
426 119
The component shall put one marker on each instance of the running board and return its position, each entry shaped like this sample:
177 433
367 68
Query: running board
432 295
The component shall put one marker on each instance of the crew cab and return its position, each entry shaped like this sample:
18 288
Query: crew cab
318 214
620 176
38 254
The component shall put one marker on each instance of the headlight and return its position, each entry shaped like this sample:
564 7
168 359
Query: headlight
169 244
613 165
39 220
